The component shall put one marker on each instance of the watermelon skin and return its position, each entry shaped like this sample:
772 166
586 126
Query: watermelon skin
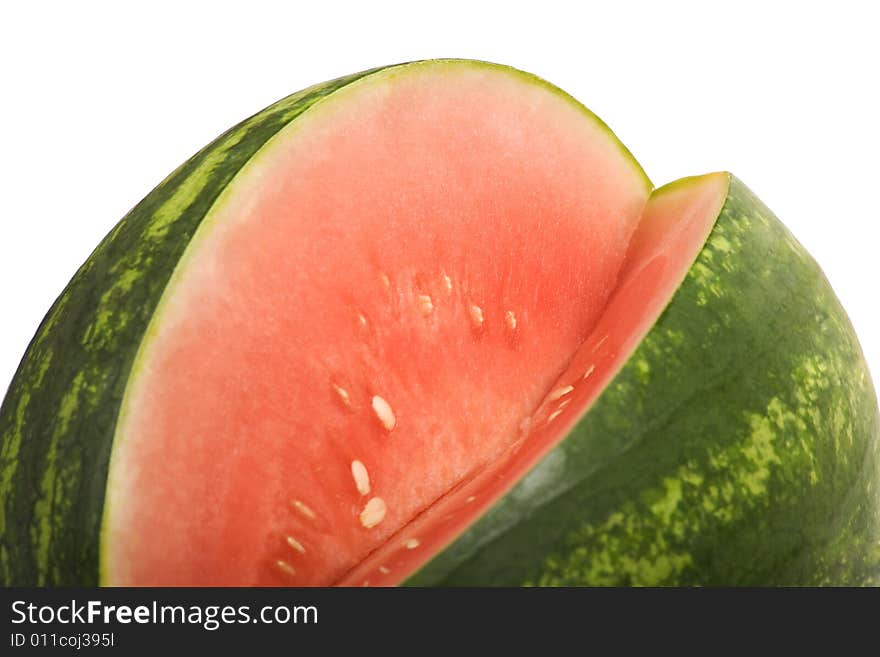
58 418
739 445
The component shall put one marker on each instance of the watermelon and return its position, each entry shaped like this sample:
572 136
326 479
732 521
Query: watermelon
430 324
736 443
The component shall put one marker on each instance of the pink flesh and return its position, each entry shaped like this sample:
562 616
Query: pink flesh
675 226
468 186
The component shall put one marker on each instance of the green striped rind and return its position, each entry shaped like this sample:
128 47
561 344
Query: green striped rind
739 445
58 418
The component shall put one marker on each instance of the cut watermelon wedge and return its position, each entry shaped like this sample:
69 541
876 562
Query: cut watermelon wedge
369 314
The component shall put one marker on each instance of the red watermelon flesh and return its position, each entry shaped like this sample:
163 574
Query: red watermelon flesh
345 367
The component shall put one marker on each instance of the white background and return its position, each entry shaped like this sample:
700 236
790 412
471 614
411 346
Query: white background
98 102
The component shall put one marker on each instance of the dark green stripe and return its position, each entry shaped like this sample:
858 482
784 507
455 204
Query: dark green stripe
740 444
58 418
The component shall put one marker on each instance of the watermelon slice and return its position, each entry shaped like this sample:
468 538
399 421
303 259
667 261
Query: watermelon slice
424 325
411 248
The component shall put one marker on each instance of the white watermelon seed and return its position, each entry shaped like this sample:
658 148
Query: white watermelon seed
426 306
476 316
383 411
361 477
559 392
373 512
296 545
285 567
303 509
343 394
411 543
510 319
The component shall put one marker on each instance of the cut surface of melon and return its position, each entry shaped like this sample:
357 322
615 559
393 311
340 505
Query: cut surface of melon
365 324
